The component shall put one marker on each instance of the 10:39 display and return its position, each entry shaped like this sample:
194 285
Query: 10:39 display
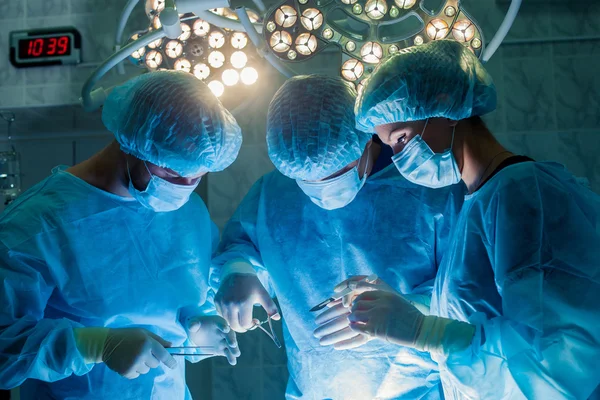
44 47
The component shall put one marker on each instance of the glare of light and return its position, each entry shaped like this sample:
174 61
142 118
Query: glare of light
352 70
249 76
306 44
450 11
216 40
228 13
201 28
327 33
312 19
156 43
437 29
357 9
394 11
349 1
463 31
360 87
286 16
218 11
137 54
186 32
271 26
230 77
3 176
292 55
217 88
281 41
476 43
371 52
350 46
153 59
376 9
201 71
216 59
183 64
393 49
239 40
239 59
156 22
418 40
252 16
174 48
406 4
155 6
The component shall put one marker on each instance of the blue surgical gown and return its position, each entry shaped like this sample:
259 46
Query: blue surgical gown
524 267
393 228
72 255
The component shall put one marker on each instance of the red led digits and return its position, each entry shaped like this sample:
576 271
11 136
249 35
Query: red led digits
63 44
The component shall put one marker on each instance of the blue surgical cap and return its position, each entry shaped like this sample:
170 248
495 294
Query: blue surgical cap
311 130
438 79
173 120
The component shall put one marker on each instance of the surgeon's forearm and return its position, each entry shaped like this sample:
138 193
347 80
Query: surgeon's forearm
444 335
44 350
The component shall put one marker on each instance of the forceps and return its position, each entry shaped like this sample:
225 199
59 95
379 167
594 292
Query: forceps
188 351
271 334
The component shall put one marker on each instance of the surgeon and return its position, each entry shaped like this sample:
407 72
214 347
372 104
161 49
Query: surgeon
323 216
515 306
104 265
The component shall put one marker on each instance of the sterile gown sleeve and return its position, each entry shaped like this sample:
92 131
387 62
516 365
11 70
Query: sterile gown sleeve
546 344
32 346
239 241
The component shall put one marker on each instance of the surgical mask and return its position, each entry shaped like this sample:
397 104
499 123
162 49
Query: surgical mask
421 166
161 195
337 192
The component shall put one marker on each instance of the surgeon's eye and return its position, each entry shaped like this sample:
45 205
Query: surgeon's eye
401 139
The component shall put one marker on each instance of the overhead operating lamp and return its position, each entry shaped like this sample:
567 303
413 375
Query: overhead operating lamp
221 57
365 31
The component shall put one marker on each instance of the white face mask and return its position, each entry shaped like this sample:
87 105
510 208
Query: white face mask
160 195
421 166
337 192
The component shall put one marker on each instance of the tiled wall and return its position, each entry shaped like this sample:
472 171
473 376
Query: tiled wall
549 108
97 23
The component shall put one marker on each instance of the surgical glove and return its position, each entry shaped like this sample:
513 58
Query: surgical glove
213 331
391 317
420 301
130 352
236 298
359 284
334 329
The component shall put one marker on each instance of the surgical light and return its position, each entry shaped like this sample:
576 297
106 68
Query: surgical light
406 4
437 29
183 64
201 28
153 59
201 71
239 59
156 43
216 40
312 19
376 9
463 31
217 88
174 48
249 76
186 32
352 70
371 52
306 44
230 77
216 59
239 40
154 6
286 16
281 41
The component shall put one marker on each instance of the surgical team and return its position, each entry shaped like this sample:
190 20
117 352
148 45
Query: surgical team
456 269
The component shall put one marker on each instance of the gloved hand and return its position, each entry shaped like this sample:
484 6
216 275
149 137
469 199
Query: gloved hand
359 284
130 352
236 298
334 328
214 331
389 316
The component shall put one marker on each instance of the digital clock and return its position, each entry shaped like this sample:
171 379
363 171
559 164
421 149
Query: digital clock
42 47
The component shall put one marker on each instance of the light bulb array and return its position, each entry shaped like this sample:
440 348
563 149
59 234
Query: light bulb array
366 31
220 57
